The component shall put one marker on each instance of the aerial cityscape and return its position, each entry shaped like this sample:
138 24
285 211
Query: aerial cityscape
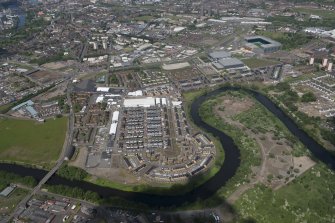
167 111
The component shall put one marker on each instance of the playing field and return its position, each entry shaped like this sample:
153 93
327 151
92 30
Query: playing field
32 142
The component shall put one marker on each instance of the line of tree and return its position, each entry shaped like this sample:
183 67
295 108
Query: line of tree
7 178
72 173
74 192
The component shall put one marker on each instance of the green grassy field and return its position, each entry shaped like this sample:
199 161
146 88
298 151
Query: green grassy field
145 18
256 63
288 40
30 142
5 107
320 12
309 198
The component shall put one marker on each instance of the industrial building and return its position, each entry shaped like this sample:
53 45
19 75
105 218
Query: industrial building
217 55
144 102
7 191
261 44
228 63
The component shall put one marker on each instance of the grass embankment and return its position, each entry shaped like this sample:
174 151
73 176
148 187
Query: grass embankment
309 198
29 142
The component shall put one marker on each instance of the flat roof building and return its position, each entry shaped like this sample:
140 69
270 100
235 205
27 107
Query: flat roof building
103 89
7 191
26 103
140 102
230 63
216 55
115 116
112 130
32 111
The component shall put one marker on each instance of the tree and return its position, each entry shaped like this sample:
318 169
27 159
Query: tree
308 97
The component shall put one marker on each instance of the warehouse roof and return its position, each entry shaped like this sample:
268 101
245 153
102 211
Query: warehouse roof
139 102
103 89
115 117
27 103
229 62
7 190
219 54
32 111
113 128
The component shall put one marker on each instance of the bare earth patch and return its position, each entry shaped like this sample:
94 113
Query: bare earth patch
302 164
233 106
55 65
80 159
113 174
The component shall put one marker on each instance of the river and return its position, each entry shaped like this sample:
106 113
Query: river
227 171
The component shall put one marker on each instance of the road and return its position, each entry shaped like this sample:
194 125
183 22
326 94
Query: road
65 151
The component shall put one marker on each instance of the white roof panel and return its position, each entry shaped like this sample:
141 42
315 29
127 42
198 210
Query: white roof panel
112 130
115 117
139 102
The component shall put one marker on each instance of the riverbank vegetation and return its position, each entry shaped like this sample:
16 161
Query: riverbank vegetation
188 98
7 178
308 198
72 173
30 142
75 192
159 189
288 204
7 204
288 100
248 147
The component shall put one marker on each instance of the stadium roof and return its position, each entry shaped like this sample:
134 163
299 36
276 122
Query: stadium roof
262 41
